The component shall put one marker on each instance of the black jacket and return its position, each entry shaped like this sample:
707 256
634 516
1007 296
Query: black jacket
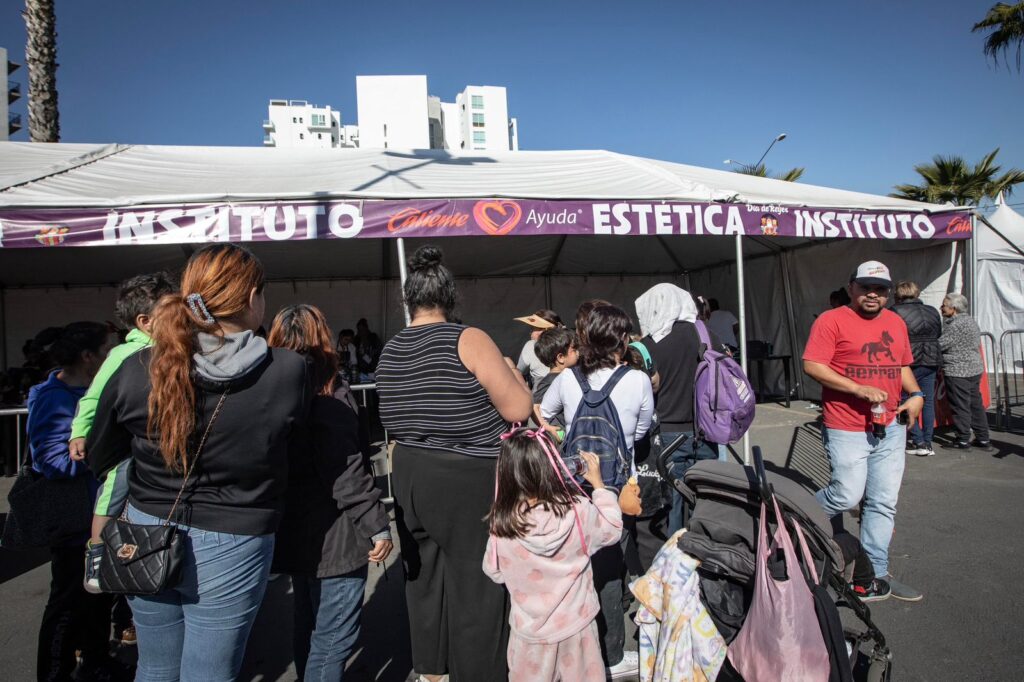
239 479
924 326
332 506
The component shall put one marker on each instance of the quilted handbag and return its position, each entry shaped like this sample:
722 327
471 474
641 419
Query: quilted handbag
147 558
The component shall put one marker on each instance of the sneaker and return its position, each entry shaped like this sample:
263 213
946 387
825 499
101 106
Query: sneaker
957 445
916 449
901 591
129 636
878 590
93 559
925 450
983 445
629 666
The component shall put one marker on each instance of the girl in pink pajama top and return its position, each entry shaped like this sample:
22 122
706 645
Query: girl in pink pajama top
543 530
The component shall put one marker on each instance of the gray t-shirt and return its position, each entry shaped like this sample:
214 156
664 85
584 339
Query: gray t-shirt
528 361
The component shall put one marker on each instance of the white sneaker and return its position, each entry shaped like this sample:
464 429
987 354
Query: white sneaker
629 666
915 449
925 451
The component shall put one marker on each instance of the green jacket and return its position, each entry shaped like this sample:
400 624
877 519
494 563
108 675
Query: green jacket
133 343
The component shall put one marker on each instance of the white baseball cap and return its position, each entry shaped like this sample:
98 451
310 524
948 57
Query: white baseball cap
872 273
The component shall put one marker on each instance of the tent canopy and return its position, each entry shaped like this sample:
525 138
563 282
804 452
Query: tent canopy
50 175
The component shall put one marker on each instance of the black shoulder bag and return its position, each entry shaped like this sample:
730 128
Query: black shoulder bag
146 559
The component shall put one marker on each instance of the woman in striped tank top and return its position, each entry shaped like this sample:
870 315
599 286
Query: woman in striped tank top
446 396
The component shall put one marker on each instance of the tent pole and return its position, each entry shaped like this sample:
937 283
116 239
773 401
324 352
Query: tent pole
3 327
402 275
972 264
743 329
787 286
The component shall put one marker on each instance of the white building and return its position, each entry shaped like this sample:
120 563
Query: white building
398 112
484 123
297 123
9 123
393 112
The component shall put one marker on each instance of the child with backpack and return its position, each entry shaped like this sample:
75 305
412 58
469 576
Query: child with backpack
543 531
136 299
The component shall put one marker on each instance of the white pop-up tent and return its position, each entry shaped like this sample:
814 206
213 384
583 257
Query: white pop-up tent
1000 288
550 228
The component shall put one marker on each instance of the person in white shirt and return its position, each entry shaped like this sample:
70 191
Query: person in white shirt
529 364
724 324
604 339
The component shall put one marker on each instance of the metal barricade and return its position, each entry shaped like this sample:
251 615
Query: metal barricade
991 359
1011 363
13 434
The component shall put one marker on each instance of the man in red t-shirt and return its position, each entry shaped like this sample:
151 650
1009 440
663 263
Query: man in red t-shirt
860 354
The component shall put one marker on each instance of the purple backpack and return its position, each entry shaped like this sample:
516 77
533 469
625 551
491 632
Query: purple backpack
723 399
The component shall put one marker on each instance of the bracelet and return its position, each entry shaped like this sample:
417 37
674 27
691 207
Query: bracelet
916 394
560 434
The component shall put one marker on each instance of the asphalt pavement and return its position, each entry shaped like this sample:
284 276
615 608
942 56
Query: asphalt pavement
958 539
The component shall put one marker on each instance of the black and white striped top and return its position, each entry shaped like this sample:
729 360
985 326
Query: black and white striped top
429 399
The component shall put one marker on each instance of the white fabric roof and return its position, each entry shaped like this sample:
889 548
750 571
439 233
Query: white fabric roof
81 175
1010 224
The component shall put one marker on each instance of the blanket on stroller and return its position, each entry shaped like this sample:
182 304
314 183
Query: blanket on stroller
678 640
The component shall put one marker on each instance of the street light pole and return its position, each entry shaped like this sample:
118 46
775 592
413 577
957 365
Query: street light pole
751 168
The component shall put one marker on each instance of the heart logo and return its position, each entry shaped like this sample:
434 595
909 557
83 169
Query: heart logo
509 210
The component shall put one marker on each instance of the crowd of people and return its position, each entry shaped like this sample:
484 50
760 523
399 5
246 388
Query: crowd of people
515 564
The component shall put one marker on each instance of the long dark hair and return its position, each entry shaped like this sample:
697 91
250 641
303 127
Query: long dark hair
429 283
303 329
605 333
525 473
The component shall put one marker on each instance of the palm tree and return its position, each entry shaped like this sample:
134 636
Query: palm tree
41 57
792 175
951 179
1008 22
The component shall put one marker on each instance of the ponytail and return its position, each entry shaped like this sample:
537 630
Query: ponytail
216 285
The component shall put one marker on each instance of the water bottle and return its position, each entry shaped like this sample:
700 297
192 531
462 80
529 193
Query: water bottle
878 420
575 465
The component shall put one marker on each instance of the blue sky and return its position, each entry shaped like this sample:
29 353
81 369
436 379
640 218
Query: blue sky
864 89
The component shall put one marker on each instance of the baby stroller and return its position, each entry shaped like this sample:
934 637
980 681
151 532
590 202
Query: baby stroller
722 532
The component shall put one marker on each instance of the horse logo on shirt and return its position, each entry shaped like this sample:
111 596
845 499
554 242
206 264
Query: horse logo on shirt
876 348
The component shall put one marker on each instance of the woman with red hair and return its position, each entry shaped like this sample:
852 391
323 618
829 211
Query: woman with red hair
206 414
334 523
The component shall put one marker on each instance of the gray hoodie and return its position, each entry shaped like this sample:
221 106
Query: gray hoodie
223 358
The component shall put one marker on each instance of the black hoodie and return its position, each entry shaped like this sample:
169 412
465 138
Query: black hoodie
240 477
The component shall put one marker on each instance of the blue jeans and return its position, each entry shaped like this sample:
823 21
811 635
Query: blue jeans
689 452
326 628
922 434
864 467
197 630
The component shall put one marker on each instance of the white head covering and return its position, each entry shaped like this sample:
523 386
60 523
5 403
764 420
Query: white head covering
662 306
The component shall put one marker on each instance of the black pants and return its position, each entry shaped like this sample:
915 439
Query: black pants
458 618
964 395
609 567
645 537
73 618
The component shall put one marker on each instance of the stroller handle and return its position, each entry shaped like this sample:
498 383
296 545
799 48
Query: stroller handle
764 488
666 453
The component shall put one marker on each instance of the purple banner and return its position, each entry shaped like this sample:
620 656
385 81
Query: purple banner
285 221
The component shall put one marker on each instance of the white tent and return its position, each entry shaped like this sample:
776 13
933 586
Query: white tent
144 208
1000 289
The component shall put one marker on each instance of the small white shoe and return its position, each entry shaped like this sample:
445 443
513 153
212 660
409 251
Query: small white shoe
629 666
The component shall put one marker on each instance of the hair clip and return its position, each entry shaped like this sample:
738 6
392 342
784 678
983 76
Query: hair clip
198 307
